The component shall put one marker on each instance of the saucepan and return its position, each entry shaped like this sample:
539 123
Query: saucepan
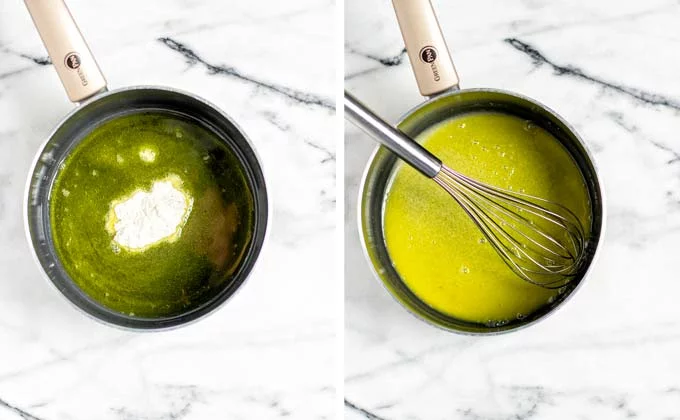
87 87
438 81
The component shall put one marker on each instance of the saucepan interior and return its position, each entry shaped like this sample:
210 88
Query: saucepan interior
81 122
381 168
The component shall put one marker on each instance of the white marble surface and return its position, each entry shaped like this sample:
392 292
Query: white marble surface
613 352
269 352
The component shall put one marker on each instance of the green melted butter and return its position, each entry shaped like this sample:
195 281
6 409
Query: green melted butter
129 154
437 249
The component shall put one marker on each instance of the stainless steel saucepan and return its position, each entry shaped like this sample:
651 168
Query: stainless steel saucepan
86 86
438 82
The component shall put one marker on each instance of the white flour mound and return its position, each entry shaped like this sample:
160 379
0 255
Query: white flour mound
148 217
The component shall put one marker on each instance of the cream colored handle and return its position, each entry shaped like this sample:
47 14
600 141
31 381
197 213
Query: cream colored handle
77 69
427 50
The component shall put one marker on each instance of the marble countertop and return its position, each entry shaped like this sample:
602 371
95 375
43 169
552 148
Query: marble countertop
611 69
270 352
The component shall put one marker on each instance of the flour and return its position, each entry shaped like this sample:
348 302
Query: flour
148 217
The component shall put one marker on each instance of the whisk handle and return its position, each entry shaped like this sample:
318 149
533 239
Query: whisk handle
399 143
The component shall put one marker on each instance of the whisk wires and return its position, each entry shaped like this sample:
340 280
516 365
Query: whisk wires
541 241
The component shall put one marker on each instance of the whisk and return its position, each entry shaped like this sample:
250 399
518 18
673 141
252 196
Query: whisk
541 241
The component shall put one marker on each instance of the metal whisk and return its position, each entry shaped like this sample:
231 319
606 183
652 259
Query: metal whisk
541 241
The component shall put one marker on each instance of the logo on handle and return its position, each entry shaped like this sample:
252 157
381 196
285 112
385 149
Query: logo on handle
428 54
72 60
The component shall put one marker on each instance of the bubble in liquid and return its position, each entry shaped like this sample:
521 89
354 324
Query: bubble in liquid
462 125
520 316
475 142
482 240
528 126
492 323
502 154
522 190
464 270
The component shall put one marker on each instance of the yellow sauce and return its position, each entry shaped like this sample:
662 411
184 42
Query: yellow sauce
436 248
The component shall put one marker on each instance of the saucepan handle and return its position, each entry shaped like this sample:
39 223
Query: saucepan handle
73 60
427 50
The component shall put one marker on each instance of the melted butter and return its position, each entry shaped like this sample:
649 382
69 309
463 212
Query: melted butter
206 240
436 248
